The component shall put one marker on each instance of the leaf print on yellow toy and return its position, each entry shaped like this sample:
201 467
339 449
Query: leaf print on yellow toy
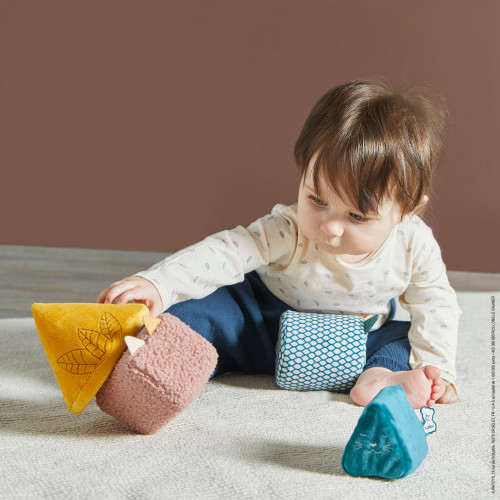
78 362
83 342
95 342
83 361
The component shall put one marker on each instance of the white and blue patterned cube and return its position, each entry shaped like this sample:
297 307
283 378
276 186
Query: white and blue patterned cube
320 351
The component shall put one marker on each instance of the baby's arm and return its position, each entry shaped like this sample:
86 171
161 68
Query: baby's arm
432 304
219 260
133 288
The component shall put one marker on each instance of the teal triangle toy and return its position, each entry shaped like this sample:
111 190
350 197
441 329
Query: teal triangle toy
388 441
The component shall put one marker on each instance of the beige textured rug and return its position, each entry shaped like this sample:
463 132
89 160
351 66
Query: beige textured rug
241 439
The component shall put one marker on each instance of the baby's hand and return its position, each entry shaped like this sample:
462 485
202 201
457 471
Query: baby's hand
133 288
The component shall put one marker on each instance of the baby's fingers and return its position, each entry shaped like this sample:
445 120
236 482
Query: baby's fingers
102 296
133 294
114 291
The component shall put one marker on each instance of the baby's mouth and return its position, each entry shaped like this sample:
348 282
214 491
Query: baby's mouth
329 246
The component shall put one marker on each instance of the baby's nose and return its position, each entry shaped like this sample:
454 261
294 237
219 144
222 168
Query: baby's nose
373 445
332 227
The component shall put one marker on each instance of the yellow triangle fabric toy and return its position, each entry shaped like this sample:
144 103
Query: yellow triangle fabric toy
83 342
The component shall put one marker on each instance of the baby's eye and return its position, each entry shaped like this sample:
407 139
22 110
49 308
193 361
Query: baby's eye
317 201
357 217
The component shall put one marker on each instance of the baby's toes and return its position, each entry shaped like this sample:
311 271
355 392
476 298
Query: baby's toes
432 373
449 396
438 388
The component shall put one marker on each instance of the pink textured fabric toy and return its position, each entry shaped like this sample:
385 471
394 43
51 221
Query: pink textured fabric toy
160 374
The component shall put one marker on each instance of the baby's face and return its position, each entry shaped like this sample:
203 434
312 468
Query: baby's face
340 229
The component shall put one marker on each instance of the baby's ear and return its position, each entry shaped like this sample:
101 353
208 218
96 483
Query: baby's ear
418 209
421 205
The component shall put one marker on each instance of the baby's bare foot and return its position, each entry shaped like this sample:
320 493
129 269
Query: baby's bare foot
423 386
449 395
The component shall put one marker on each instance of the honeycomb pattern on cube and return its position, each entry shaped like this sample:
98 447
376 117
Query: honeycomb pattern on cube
319 351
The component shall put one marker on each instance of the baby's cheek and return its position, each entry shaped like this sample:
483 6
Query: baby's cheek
306 224
372 239
360 243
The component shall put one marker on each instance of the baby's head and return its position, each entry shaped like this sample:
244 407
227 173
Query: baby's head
368 142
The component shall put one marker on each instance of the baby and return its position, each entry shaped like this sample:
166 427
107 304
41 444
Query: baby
351 245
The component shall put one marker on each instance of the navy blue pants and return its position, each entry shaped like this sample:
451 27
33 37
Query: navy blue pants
242 322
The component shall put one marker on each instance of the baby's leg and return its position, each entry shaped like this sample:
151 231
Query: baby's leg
241 321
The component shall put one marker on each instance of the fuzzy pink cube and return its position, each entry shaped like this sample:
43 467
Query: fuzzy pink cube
148 389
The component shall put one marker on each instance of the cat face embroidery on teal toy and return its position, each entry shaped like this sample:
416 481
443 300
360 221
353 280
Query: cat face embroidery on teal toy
373 443
388 441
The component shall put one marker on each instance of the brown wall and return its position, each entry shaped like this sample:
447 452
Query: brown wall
150 124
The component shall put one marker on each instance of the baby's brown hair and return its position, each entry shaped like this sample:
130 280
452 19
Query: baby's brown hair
370 141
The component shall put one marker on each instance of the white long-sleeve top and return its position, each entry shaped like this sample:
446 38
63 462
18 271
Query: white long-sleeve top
408 265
